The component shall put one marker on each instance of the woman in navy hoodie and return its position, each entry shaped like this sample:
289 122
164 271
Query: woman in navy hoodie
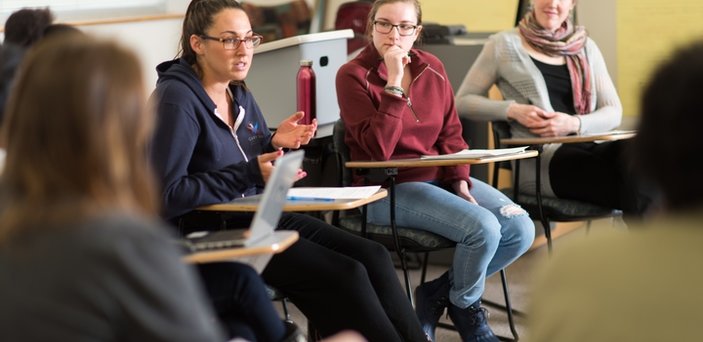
212 145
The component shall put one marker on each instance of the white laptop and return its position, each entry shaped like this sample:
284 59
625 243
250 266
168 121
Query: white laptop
267 214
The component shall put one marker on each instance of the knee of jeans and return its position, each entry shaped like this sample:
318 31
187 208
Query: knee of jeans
512 210
486 230
519 231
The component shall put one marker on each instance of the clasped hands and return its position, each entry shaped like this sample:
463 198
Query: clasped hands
543 123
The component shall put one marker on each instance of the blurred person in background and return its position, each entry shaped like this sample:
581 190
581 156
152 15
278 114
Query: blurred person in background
23 28
554 82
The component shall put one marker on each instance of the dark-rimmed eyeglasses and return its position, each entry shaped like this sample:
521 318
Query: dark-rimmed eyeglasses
234 42
385 27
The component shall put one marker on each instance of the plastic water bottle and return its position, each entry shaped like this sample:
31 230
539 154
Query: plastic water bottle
305 86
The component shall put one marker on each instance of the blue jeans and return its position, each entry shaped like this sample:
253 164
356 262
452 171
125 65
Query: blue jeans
489 236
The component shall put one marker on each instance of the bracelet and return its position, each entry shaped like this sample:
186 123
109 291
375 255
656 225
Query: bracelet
578 130
393 90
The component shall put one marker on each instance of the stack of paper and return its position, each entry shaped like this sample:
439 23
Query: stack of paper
613 132
477 153
332 193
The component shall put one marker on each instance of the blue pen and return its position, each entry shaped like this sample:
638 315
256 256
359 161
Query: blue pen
310 199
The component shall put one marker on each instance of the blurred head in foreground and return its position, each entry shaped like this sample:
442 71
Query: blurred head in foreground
668 144
75 134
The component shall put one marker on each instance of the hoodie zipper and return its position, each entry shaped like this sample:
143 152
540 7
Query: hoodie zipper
410 103
233 130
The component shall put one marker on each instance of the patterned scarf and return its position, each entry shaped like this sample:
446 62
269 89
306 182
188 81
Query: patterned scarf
567 41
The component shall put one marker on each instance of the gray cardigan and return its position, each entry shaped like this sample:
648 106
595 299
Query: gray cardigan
507 64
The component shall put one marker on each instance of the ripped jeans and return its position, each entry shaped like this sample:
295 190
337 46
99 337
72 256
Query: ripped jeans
489 236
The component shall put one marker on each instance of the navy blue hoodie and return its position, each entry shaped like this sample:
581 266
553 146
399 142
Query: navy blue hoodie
196 156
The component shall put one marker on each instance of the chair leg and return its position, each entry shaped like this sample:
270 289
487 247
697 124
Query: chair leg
423 276
404 267
511 313
547 233
286 313
508 306
588 227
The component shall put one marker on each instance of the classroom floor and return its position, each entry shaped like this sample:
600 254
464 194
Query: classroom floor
519 275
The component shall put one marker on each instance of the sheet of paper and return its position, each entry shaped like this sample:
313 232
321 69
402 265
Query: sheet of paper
320 193
478 153
613 132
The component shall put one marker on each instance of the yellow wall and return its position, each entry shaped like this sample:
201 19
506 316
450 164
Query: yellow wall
476 15
647 32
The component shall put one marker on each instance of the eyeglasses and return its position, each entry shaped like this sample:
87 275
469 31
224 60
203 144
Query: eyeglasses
234 42
385 27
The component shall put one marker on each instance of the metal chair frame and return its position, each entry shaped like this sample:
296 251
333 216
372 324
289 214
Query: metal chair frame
550 211
389 175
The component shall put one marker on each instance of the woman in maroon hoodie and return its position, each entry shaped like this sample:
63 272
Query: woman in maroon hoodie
397 102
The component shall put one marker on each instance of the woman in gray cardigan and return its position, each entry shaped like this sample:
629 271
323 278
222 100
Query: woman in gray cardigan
554 82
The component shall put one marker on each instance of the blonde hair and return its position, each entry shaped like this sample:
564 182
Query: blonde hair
75 134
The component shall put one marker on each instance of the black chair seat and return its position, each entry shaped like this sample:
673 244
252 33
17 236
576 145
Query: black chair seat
560 209
408 238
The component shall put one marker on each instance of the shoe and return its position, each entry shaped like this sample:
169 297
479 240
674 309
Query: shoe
430 300
472 323
293 333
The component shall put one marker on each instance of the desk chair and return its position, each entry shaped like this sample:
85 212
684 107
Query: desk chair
402 240
547 209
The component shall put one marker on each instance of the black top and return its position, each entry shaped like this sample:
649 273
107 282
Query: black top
558 85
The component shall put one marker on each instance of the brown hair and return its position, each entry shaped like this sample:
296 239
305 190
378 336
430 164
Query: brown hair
76 134
26 26
198 18
667 146
378 3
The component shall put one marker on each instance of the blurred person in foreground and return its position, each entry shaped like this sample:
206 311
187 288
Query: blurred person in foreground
642 284
82 254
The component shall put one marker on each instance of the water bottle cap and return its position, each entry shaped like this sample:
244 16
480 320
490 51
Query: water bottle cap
305 62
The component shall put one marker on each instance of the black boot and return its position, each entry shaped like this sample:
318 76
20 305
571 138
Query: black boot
430 300
472 323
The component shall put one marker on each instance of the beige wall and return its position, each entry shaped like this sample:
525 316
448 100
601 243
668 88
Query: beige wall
635 35
476 15
648 31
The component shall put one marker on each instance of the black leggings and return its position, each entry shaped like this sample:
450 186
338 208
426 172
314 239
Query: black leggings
338 280
239 297
342 281
599 174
